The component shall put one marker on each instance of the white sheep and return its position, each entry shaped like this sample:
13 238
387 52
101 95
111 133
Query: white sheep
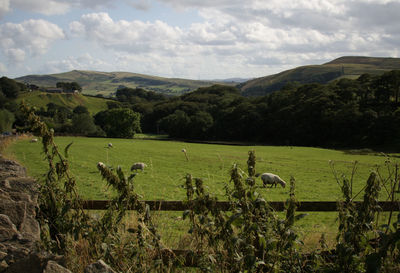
184 151
138 166
101 164
272 179
33 140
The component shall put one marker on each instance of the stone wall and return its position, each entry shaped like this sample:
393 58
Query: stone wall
19 230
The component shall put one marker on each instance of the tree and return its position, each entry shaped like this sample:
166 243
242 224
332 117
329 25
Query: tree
200 123
119 122
82 123
176 124
69 86
9 87
80 110
6 120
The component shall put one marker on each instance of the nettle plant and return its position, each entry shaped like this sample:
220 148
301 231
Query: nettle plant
362 244
249 236
67 229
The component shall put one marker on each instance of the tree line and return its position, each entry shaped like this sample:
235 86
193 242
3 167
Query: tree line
346 113
363 112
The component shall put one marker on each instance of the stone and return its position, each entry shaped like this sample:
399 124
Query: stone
4 195
30 229
14 210
7 229
29 263
19 230
99 267
2 255
53 267
3 265
23 185
10 168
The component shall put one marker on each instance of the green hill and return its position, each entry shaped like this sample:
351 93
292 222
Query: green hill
41 99
347 67
106 83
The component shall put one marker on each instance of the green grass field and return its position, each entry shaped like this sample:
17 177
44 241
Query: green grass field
167 167
41 99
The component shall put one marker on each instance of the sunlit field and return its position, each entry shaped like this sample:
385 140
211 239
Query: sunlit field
167 166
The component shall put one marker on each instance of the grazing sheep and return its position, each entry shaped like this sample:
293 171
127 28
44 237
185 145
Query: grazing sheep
110 145
33 140
138 166
101 164
184 151
272 179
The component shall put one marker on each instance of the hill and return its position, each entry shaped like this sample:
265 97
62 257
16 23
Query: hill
344 67
106 83
41 99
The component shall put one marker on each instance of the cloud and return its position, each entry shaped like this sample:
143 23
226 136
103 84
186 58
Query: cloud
45 7
250 35
82 62
232 38
4 7
31 37
54 7
143 5
3 68
129 36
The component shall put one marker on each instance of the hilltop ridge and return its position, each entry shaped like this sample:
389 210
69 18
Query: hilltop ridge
344 67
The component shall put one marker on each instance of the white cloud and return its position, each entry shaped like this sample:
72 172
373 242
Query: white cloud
42 6
3 68
232 38
4 7
130 36
82 62
54 7
31 37
239 36
15 55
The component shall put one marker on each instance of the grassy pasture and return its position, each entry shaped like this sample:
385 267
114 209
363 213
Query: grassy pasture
41 99
167 166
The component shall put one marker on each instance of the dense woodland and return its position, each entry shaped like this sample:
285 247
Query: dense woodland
347 113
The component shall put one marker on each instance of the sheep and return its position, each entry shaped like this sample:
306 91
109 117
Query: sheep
272 179
33 140
110 145
184 151
101 164
138 166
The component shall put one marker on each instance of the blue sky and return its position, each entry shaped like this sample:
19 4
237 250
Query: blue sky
208 39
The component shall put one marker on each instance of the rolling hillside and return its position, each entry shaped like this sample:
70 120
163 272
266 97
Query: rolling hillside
41 99
348 67
106 83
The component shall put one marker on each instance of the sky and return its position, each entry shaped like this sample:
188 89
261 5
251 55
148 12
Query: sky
192 39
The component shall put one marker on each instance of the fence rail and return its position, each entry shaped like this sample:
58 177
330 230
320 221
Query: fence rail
224 205
191 258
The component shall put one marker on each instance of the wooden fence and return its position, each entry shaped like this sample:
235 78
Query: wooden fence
223 205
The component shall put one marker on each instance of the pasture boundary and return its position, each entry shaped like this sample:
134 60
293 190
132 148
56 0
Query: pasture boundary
314 206
190 258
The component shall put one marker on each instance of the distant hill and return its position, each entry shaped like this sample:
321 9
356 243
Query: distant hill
343 67
106 83
41 99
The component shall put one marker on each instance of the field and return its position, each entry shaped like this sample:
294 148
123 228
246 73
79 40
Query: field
167 166
41 99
